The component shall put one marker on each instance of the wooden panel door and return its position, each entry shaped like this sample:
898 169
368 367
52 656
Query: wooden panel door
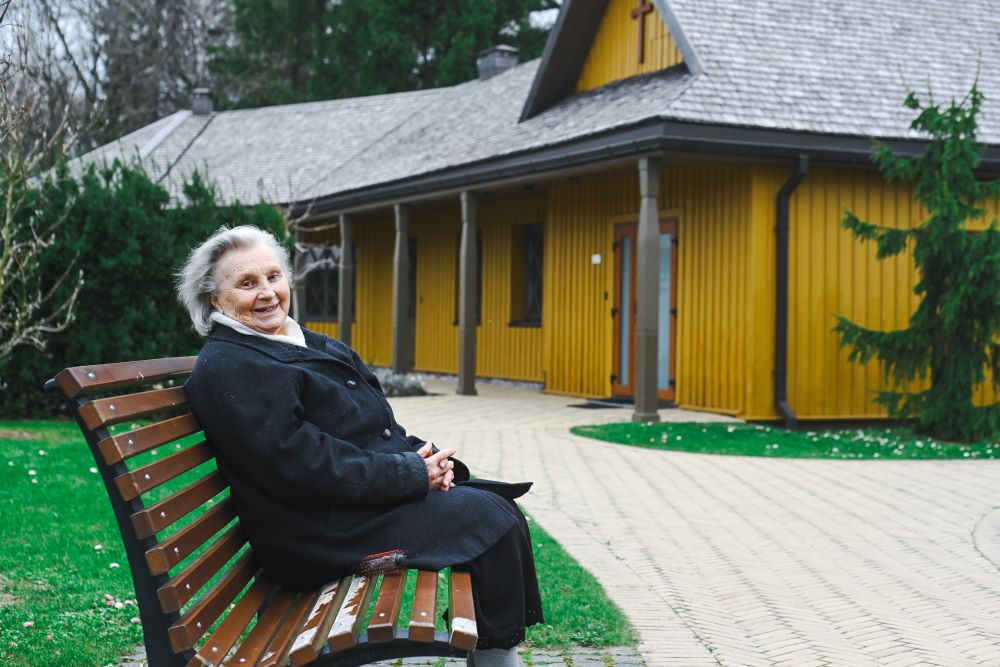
624 310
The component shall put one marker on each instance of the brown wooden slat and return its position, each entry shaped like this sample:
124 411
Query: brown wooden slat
263 631
351 617
104 377
382 626
125 445
158 516
277 651
215 648
310 639
106 411
424 607
175 593
139 481
462 613
184 542
192 625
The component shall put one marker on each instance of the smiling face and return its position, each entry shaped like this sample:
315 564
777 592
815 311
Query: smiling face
253 289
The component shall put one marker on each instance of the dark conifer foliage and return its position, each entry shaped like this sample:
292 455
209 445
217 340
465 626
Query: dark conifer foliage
951 341
288 51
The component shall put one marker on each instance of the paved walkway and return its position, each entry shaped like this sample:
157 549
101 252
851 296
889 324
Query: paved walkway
744 561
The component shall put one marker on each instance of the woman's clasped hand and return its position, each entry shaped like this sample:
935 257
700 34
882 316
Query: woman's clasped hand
440 471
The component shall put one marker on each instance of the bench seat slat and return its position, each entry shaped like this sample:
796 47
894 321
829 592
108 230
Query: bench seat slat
424 607
250 651
175 593
186 541
309 641
136 482
107 411
350 619
215 648
117 448
197 620
158 516
81 380
463 634
277 652
382 627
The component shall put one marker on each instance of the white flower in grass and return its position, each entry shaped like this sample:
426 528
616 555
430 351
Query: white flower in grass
114 566
93 469
10 463
98 547
28 624
41 452
32 472
118 605
34 480
134 619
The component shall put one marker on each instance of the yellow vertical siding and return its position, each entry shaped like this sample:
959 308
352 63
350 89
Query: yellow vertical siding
503 351
712 205
372 332
831 273
614 54
436 232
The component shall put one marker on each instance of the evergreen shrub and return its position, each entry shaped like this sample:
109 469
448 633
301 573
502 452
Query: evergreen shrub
129 239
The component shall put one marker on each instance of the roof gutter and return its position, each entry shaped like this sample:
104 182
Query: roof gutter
782 229
622 144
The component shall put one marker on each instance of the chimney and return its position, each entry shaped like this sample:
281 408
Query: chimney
201 101
495 60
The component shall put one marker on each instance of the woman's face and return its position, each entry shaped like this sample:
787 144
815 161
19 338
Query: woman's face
252 289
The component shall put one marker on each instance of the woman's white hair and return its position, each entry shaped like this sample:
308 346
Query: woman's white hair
196 280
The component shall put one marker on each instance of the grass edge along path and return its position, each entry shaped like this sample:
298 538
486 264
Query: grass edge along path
742 439
66 593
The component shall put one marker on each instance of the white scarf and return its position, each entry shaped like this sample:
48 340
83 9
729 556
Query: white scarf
293 332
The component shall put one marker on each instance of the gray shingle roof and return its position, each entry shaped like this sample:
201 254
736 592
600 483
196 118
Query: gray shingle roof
838 68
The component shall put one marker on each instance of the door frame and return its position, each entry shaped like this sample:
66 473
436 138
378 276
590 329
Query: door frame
627 228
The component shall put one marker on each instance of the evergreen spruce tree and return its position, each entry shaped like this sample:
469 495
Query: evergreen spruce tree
952 337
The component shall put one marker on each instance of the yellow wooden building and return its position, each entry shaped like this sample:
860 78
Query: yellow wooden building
652 210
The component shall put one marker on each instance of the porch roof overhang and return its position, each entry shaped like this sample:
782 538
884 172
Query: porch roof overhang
611 149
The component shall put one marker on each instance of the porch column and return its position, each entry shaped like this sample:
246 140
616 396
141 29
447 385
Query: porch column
402 332
345 288
468 295
646 286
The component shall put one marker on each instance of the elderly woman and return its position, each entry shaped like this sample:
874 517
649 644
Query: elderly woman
320 471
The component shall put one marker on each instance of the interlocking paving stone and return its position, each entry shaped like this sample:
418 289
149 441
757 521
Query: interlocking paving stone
743 561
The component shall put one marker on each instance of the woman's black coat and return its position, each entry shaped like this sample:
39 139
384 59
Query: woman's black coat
320 472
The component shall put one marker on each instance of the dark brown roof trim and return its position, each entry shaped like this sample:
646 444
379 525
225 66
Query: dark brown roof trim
646 138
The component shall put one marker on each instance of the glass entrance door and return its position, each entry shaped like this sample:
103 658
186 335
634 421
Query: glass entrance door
624 310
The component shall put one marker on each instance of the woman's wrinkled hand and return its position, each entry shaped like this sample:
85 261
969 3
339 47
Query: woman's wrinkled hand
440 471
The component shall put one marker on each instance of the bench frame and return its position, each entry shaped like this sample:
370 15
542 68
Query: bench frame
77 386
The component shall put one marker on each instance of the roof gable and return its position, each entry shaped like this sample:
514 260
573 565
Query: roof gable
578 54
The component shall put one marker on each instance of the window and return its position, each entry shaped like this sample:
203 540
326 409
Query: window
319 266
479 275
527 251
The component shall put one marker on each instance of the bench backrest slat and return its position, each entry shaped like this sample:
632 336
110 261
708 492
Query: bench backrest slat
86 380
123 446
136 482
156 517
117 409
184 542
253 647
277 652
196 621
186 584
232 626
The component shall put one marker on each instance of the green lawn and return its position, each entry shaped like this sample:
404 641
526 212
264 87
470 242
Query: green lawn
65 590
738 439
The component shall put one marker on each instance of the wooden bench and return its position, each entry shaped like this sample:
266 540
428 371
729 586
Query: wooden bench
202 598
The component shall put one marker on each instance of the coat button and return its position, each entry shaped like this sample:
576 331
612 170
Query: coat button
352 383
387 434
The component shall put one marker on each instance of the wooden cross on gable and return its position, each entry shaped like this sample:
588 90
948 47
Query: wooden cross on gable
639 13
